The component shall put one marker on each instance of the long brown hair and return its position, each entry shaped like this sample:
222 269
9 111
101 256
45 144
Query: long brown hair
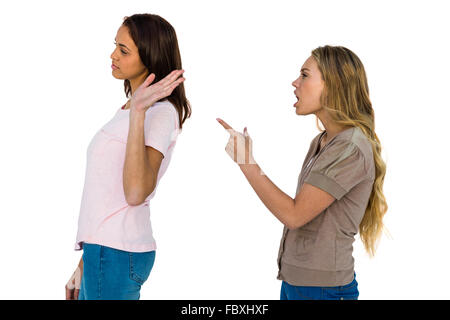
346 98
157 44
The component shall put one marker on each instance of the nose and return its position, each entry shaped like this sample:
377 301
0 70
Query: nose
113 54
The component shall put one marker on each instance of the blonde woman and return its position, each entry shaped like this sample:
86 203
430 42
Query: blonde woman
340 186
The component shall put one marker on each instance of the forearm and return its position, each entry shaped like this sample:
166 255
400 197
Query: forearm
279 203
137 173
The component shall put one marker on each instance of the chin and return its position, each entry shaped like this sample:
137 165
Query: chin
117 77
301 112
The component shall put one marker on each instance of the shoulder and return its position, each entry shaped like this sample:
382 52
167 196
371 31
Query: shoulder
353 138
162 109
355 141
163 106
164 114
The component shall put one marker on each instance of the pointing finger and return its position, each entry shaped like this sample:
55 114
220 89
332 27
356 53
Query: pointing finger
230 130
225 125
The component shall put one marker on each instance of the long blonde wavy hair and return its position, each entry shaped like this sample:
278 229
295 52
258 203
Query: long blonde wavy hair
346 98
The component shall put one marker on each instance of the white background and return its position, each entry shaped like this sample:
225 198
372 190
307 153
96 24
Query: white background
215 238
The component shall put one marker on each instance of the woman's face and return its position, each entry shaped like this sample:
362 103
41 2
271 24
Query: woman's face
308 88
126 57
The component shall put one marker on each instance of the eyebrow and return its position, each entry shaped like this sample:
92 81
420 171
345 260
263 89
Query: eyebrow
122 45
304 69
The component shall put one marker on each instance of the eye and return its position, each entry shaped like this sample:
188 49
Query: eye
304 75
120 49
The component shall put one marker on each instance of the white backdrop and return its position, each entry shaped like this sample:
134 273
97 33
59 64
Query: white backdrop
215 238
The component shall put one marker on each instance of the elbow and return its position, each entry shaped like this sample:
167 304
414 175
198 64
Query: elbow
137 196
133 200
293 221
291 225
133 196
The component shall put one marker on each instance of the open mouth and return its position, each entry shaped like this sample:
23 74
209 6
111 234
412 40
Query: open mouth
295 104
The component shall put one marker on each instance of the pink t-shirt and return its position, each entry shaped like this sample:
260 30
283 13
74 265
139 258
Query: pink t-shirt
105 216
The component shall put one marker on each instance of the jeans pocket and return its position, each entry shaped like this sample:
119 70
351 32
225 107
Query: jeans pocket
141 263
304 293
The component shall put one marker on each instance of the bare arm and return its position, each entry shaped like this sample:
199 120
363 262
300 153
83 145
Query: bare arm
279 203
139 178
293 213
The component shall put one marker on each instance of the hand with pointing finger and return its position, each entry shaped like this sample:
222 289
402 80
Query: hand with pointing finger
240 145
146 95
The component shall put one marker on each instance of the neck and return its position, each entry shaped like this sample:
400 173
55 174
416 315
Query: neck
331 128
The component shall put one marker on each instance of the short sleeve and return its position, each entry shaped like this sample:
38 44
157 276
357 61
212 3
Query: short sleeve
160 129
338 169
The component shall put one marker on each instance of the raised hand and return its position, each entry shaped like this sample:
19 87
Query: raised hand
146 95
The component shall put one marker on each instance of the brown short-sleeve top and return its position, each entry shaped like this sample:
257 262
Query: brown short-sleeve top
319 253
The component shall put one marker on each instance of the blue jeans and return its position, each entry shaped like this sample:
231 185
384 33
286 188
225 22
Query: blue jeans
345 292
112 274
